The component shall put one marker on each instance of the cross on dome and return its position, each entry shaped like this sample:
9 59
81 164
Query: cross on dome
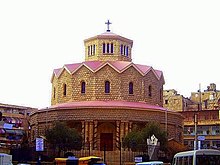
108 23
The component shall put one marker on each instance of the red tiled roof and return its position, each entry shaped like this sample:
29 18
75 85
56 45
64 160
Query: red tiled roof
107 104
119 66
72 67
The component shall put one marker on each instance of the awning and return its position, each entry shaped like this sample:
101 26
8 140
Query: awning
12 120
10 131
19 132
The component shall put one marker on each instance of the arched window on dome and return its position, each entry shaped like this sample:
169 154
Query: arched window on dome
64 90
112 48
88 50
131 88
127 51
107 47
107 87
149 91
83 87
103 48
121 49
54 92
93 49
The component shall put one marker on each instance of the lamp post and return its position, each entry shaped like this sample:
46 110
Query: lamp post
196 122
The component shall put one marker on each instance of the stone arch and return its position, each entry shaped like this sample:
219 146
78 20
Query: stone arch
106 136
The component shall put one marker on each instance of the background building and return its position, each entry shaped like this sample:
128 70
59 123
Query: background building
202 107
14 126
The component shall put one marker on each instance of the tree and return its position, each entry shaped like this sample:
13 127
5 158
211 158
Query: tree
63 138
153 128
133 140
137 139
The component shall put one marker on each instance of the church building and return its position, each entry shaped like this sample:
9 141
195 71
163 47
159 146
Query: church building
105 96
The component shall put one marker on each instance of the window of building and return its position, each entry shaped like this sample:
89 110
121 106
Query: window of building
166 101
127 51
64 89
93 49
107 47
107 87
112 48
124 49
103 48
121 49
83 87
54 92
149 91
88 50
131 88
161 94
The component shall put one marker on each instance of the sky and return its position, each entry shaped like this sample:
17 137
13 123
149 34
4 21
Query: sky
180 38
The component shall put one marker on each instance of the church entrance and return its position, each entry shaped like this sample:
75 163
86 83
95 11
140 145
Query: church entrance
106 141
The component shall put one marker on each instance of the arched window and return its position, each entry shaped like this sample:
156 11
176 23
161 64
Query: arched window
161 94
124 49
107 47
131 88
149 91
103 48
112 48
54 92
93 49
64 89
88 50
83 87
107 87
127 51
121 49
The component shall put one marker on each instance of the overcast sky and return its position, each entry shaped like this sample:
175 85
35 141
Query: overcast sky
180 38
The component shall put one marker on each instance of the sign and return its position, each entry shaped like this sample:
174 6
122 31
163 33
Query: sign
8 126
137 159
201 138
39 144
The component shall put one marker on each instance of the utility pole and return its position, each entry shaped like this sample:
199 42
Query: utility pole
196 119
196 122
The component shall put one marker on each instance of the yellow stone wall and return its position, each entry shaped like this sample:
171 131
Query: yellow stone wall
95 86
173 101
115 56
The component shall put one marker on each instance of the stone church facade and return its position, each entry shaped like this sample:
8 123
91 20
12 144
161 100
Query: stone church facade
105 96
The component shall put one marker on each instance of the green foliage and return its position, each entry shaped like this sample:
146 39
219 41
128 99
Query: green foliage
153 128
133 140
137 139
63 138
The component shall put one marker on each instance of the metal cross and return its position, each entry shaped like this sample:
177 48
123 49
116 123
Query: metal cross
108 23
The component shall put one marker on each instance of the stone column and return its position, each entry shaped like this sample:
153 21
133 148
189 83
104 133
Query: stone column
126 128
87 134
95 135
83 133
122 130
118 140
91 127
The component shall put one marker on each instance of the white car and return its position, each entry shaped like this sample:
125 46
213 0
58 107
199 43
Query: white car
151 163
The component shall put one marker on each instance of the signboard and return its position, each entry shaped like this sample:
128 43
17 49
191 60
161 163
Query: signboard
137 159
201 138
39 144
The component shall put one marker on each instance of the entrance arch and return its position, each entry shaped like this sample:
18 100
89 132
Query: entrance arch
106 132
